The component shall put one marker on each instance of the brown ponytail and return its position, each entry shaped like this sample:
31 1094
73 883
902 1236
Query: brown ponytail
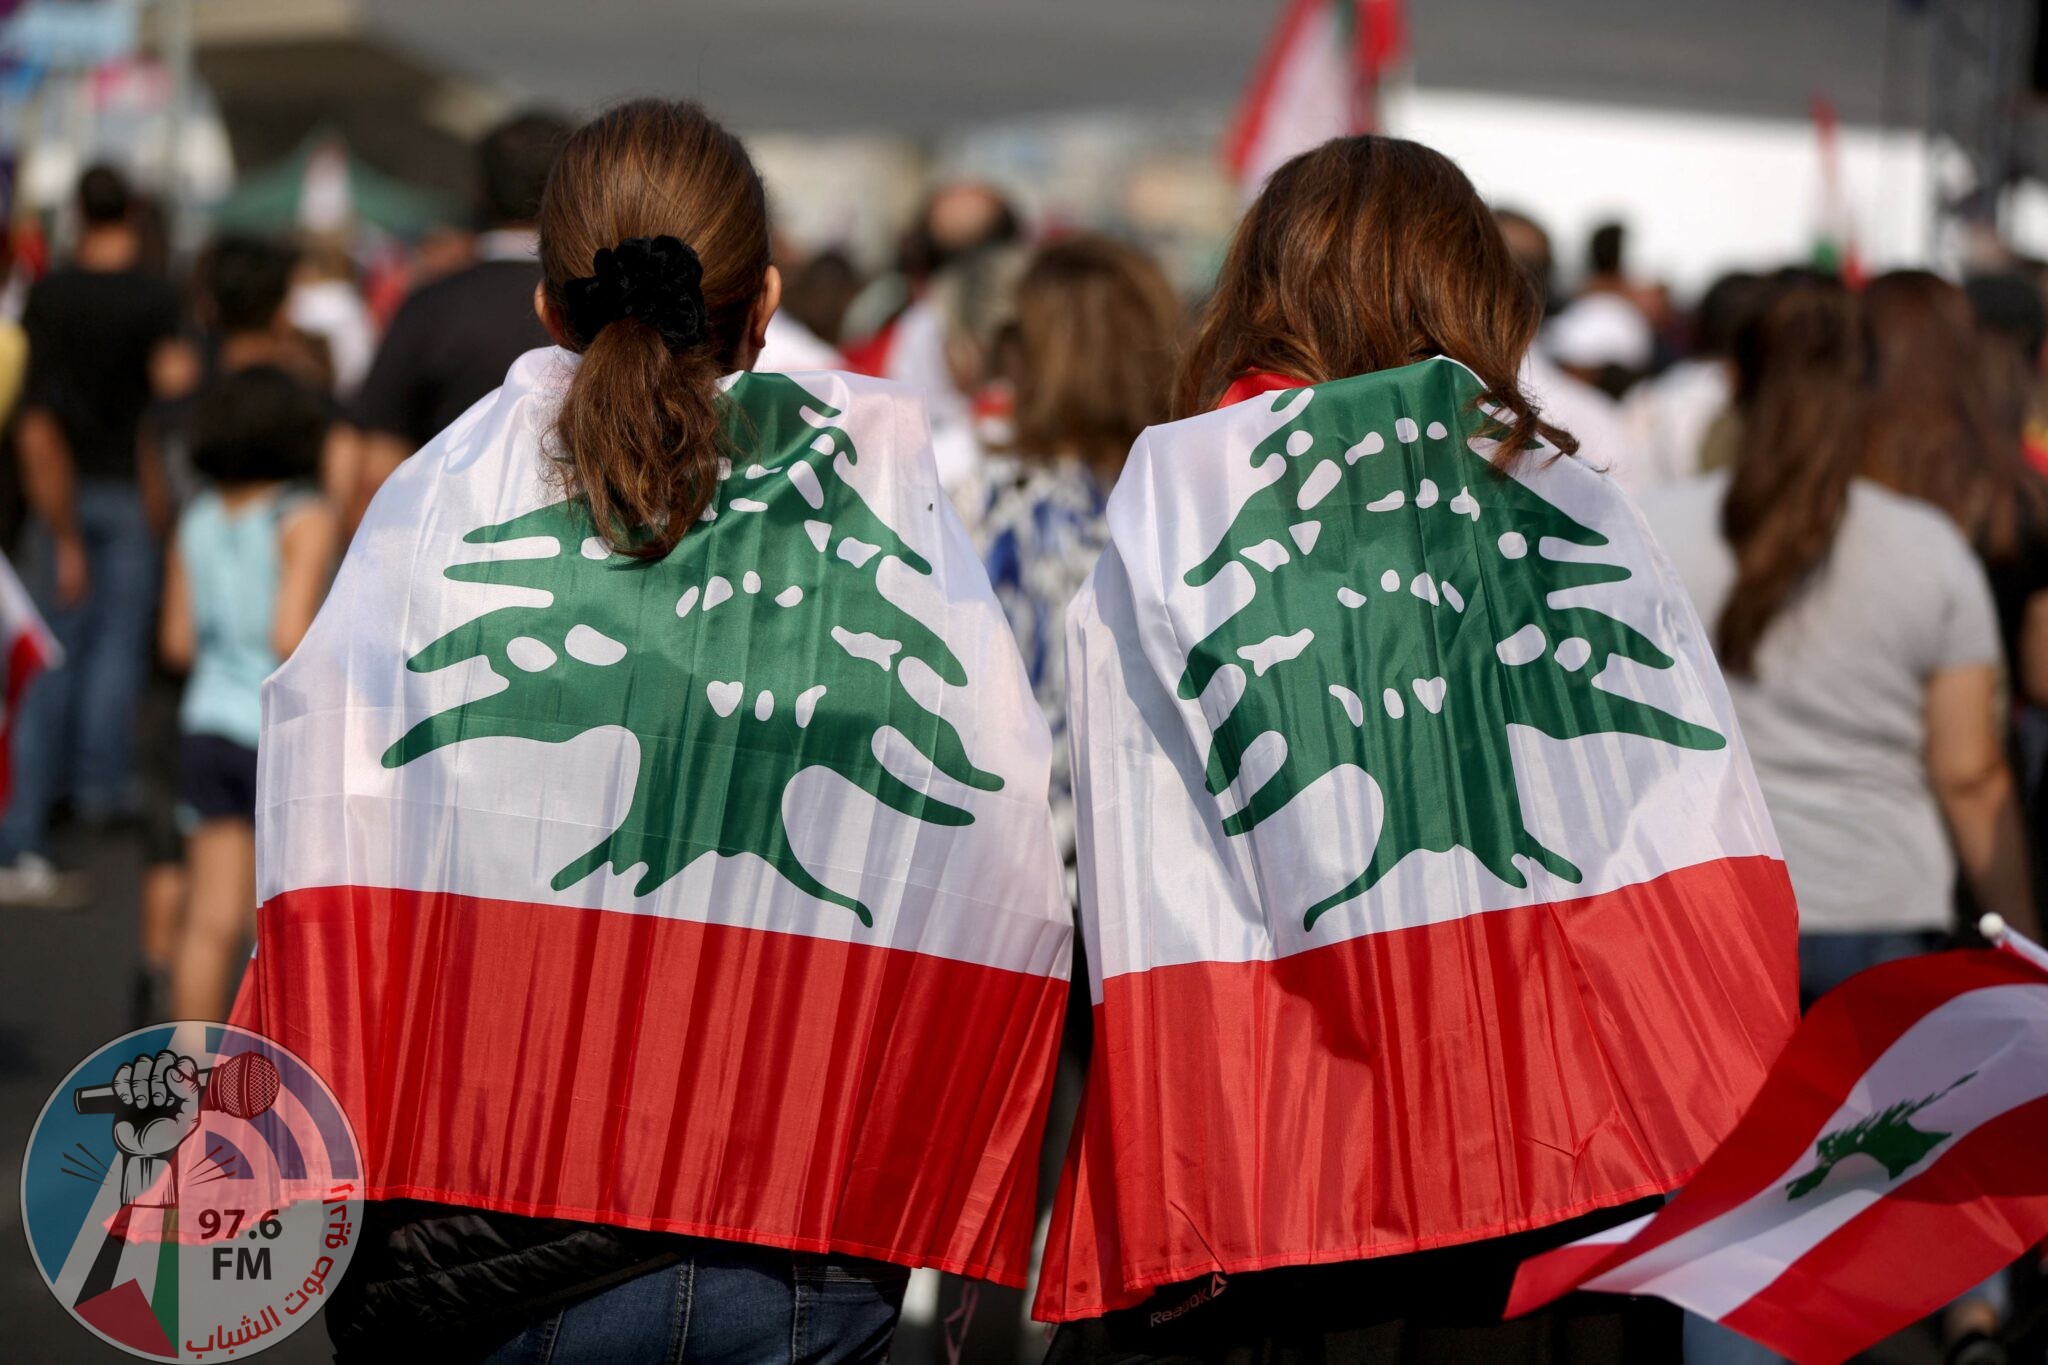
642 426
1366 254
1800 397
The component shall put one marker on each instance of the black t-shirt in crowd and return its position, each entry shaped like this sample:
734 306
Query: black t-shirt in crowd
450 344
90 335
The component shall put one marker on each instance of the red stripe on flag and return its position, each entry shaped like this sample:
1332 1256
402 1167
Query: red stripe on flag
1486 1077
661 1073
1258 97
1984 1202
1842 1035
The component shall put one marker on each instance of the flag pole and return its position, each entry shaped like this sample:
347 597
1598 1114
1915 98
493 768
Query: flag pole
2002 935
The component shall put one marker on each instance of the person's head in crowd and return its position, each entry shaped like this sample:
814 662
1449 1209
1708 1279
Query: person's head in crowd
1799 392
1097 334
108 235
2012 329
1366 254
1722 310
247 280
1605 251
1935 432
256 426
104 199
819 292
976 296
1602 339
958 219
640 426
513 160
1529 244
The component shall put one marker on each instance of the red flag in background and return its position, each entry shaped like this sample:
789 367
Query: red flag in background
1318 78
29 650
1834 239
1891 1161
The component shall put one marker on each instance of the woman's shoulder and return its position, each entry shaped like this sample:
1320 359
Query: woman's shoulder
1877 511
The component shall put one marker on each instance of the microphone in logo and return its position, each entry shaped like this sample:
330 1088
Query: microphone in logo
242 1087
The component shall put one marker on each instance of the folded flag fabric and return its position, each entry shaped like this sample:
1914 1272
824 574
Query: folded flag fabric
715 894
1891 1161
1428 891
30 649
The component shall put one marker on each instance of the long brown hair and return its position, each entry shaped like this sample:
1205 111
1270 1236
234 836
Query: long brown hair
1097 333
1935 431
1366 254
641 426
1799 395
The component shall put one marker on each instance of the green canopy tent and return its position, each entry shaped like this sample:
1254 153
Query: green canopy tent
323 185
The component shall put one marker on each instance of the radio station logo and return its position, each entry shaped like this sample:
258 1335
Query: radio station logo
192 1192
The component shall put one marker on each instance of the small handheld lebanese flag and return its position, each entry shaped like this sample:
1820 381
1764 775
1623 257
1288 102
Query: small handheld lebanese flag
30 649
1318 78
1891 1161
1428 890
713 894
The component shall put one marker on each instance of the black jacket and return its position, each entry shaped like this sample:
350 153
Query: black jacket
440 1282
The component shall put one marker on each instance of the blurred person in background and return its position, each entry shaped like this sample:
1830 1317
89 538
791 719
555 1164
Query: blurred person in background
98 329
909 344
1569 402
1091 334
13 341
1949 426
242 283
820 290
245 285
1669 415
326 302
246 573
974 301
1090 357
1938 432
453 339
2012 320
1871 698
1603 337
1861 642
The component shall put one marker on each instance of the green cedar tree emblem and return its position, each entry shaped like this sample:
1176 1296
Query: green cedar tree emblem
759 647
1402 619
1887 1137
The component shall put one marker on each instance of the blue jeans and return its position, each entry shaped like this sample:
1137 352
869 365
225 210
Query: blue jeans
726 1303
75 736
1827 960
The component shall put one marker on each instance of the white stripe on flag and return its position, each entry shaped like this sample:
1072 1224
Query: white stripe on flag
1723 1263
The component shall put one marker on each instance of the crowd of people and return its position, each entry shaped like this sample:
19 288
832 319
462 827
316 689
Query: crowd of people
1850 479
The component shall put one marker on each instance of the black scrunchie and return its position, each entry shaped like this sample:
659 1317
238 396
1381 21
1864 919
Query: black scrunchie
657 280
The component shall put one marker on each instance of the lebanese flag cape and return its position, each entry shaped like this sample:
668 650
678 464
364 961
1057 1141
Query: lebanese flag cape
30 648
714 895
1891 1161
1428 891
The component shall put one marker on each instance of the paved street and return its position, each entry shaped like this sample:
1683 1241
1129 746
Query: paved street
65 980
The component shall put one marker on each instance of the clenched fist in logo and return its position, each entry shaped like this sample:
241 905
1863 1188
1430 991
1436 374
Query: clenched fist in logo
159 1108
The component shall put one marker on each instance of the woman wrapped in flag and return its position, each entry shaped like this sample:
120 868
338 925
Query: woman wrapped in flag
1432 910
653 839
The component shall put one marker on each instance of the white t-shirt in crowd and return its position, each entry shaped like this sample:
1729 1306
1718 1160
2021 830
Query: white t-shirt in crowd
1668 417
1835 717
1586 413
